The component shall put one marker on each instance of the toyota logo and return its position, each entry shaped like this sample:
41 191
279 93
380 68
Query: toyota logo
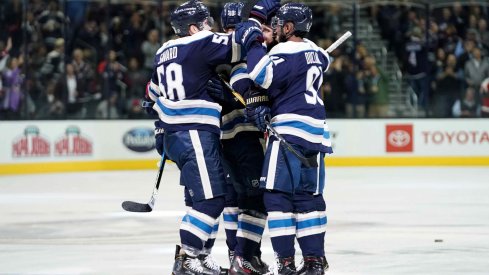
399 138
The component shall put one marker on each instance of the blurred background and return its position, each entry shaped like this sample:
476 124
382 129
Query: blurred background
76 59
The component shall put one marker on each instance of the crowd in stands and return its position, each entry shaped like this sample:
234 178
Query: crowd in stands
443 56
86 59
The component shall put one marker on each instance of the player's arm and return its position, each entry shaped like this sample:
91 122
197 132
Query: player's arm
152 89
324 55
221 48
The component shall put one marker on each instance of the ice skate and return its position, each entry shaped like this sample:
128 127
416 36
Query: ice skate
185 264
209 264
240 266
313 266
286 266
230 256
259 265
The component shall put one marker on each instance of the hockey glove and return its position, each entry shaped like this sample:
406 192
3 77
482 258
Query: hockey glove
148 107
221 94
159 131
248 33
257 108
264 9
215 89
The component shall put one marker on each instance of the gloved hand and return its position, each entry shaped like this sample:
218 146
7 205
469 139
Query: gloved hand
221 94
215 89
148 107
247 33
264 9
257 116
159 131
257 107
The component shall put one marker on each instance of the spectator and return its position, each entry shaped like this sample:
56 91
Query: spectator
51 106
149 49
476 69
72 90
54 63
136 80
415 63
355 97
448 88
483 33
51 22
484 95
84 71
12 82
135 110
107 108
377 89
114 75
334 89
468 106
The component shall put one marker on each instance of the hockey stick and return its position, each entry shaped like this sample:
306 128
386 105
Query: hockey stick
133 206
246 10
338 42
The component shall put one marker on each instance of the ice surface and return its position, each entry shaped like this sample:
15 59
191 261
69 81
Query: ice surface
380 221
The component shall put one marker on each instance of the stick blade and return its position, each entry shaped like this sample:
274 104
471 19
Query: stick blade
132 206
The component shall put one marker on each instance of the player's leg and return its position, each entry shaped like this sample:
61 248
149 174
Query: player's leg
245 156
198 156
310 209
281 173
231 211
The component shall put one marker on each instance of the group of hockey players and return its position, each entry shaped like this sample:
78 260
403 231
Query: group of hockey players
216 139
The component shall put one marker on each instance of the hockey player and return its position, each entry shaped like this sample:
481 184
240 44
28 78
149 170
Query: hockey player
244 213
292 74
191 122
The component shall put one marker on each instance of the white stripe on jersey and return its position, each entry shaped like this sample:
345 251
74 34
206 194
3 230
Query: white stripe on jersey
236 49
272 165
199 154
188 111
262 73
301 132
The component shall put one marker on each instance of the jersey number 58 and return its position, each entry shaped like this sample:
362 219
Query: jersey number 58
173 77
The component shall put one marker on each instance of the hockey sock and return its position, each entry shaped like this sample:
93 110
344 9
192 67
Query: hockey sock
212 239
310 232
282 232
230 217
251 225
197 225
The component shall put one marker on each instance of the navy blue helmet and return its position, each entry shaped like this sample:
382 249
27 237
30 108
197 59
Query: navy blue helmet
189 13
299 14
231 14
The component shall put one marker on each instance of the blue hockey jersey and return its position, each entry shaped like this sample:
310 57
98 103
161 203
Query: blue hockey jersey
178 86
292 73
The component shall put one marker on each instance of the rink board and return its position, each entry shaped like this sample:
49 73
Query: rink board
57 146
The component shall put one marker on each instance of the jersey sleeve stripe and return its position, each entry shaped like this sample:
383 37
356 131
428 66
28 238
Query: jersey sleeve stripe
262 73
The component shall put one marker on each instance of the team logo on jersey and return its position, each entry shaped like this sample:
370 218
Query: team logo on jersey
140 140
399 138
31 144
73 143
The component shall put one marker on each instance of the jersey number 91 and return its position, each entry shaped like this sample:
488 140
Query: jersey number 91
313 84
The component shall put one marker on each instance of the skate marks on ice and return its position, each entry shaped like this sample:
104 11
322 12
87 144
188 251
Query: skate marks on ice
380 221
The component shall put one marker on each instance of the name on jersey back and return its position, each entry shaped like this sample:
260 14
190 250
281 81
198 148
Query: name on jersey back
170 53
312 58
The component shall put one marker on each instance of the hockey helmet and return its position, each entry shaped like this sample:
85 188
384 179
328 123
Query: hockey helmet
231 14
189 13
299 14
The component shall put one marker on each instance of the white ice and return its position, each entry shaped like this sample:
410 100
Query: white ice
380 221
